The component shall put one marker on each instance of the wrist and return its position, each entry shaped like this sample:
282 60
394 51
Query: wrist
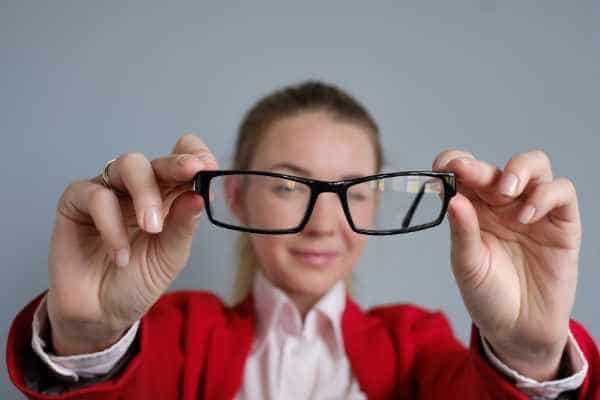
67 334
74 340
541 363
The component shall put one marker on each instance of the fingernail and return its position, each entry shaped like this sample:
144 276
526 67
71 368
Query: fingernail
122 257
508 185
181 160
152 220
527 214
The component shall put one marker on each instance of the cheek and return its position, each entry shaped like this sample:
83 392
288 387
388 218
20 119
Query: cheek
356 244
268 249
363 211
265 211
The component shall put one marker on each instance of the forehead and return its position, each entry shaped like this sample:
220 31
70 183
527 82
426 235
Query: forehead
328 149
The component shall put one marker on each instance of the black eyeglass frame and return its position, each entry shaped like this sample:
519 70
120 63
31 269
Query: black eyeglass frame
201 184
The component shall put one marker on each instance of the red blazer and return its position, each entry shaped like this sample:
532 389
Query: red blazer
193 346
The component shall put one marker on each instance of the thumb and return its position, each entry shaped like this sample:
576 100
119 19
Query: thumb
467 249
179 227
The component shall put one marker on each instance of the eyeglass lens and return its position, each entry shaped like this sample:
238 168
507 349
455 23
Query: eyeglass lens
263 202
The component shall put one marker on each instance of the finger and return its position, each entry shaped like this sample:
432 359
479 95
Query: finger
443 158
180 225
475 174
133 173
177 168
102 206
523 168
557 198
467 249
475 178
192 144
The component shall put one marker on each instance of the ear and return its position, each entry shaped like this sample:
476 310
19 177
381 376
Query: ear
234 193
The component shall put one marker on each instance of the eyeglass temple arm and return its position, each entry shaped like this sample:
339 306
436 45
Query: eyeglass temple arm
413 207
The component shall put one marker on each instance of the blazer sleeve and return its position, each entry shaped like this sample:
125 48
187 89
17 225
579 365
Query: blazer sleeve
143 373
432 363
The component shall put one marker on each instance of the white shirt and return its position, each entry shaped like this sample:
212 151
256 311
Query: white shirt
286 351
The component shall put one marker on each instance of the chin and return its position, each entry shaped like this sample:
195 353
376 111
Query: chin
311 283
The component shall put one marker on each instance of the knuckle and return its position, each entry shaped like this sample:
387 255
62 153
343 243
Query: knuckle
541 155
72 187
73 190
131 158
448 154
180 158
517 164
442 155
514 160
528 156
205 155
188 139
166 165
444 152
533 164
465 153
66 195
569 185
98 195
188 136
537 152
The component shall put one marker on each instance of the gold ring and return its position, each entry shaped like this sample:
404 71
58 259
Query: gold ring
106 180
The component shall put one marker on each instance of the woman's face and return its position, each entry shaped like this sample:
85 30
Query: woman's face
313 145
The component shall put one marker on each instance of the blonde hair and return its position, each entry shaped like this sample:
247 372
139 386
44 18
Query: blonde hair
308 96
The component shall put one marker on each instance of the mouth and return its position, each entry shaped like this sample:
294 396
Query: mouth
314 258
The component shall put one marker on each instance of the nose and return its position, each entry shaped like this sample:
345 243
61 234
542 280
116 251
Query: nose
327 216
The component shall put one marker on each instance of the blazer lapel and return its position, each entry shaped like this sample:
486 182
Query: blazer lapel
230 347
370 351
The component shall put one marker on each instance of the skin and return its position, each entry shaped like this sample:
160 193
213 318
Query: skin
517 275
516 270
313 145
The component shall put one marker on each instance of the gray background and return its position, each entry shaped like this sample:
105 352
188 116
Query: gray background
81 82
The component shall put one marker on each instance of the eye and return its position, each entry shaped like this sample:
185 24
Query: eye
285 187
356 196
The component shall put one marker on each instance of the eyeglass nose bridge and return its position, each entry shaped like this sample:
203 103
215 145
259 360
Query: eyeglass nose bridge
319 187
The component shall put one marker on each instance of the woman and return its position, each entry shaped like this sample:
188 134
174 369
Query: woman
106 331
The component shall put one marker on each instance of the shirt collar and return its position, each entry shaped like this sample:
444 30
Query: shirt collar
275 309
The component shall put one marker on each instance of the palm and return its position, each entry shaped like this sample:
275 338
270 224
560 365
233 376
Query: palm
81 268
527 278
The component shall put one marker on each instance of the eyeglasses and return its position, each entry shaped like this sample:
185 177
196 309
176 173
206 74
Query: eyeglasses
274 203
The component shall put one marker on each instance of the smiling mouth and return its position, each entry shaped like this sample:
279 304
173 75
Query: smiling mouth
314 258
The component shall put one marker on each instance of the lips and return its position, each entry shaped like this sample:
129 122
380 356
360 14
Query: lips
313 257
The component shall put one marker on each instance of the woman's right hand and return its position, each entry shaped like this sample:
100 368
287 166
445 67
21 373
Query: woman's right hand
91 301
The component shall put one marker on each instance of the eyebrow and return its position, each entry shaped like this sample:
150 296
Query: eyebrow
295 169
291 167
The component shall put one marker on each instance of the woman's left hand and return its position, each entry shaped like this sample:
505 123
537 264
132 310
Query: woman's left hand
516 235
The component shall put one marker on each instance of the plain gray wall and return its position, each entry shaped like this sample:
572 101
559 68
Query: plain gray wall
81 82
